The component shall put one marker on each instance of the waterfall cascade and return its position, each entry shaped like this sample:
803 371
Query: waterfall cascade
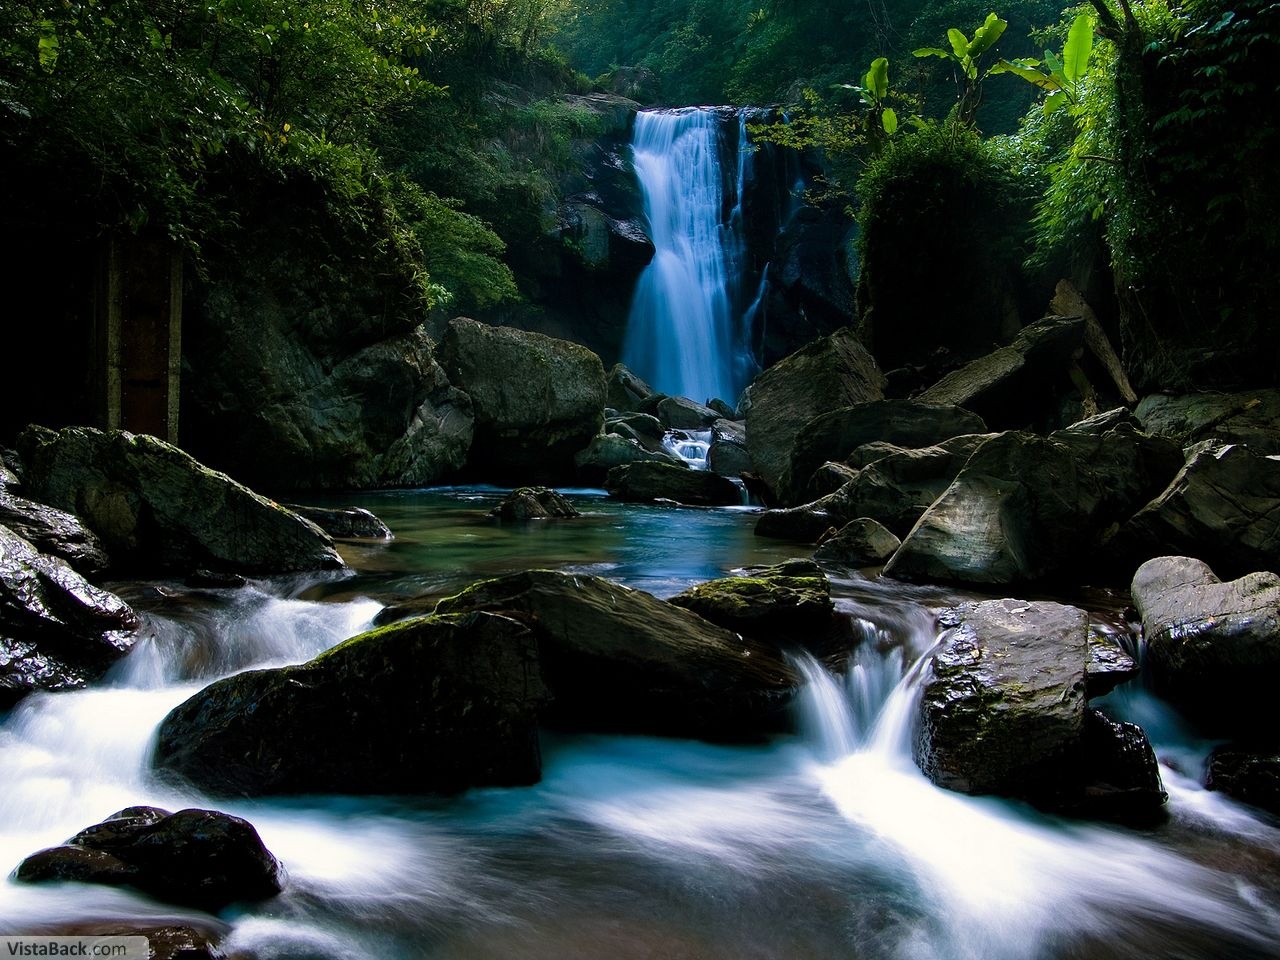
690 325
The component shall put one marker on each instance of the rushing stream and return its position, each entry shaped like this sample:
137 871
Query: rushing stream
827 844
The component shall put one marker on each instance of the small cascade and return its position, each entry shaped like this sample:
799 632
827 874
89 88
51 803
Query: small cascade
691 446
688 334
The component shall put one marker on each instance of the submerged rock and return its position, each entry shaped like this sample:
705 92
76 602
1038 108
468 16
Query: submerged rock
434 704
642 482
57 630
537 400
54 531
783 606
345 522
617 659
836 434
1003 712
1213 648
831 372
157 509
199 858
533 503
1223 506
859 543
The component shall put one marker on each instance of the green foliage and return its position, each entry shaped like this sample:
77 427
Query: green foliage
1060 76
966 54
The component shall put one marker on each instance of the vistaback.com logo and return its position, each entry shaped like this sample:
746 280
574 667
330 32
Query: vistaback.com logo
91 948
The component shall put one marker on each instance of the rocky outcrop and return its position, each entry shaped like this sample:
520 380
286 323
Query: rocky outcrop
1213 648
622 660
1223 506
1003 711
804 524
835 371
609 450
55 532
1011 387
859 543
199 858
533 503
836 434
537 400
1250 775
156 509
1251 418
1027 508
429 705
346 522
643 482
57 630
787 606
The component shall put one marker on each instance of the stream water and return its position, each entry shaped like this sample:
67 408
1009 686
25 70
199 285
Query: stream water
825 844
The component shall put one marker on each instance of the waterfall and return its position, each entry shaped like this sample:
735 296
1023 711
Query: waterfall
686 333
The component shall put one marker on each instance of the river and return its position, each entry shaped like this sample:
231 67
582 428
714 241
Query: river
824 844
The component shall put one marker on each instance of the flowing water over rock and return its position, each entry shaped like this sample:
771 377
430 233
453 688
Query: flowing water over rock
689 333
826 844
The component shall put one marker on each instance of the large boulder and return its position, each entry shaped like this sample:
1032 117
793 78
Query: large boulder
434 704
1213 648
622 660
624 390
835 371
728 454
54 531
1016 385
681 413
1027 508
537 400
1251 418
156 509
1222 506
1003 711
344 522
57 630
642 482
836 434
199 858
1249 774
787 606
287 399
859 543
534 503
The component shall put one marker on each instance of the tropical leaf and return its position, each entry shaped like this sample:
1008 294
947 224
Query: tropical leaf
931 52
986 36
1027 73
1075 55
877 79
959 43
889 120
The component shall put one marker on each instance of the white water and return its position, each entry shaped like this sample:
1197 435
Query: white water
830 844
684 334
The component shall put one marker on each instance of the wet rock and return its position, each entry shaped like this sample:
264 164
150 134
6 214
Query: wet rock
1213 647
681 413
156 509
1003 710
831 372
601 241
799 524
1223 506
829 478
1251 418
200 858
728 454
624 391
1013 386
644 427
859 543
345 522
1025 508
643 482
212 580
537 400
54 531
57 630
617 659
787 606
834 435
1119 771
1249 774
1108 665
8 475
533 503
429 705
726 412
608 450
